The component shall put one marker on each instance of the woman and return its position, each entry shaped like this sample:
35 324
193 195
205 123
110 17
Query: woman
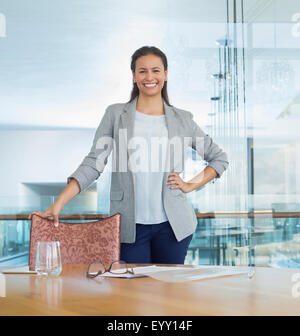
157 221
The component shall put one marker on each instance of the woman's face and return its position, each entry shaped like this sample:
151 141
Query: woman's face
150 75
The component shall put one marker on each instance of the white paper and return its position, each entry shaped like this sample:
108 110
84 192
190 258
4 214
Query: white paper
183 274
17 270
138 271
121 275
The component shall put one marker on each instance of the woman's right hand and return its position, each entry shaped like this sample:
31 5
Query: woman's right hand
51 213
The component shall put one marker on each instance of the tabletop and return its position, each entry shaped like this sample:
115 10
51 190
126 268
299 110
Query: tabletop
271 291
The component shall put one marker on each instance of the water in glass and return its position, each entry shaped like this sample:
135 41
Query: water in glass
48 258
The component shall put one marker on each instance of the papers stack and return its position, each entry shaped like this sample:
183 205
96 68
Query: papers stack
183 274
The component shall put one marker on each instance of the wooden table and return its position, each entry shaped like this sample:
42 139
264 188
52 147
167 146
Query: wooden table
268 293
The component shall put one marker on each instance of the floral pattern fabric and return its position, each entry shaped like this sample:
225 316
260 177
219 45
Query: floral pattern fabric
80 243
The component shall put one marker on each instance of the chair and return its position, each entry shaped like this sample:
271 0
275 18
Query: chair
80 243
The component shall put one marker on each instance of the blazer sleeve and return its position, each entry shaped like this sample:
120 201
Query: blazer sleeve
89 170
207 149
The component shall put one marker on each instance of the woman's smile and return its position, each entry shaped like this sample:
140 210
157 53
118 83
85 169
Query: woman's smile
152 85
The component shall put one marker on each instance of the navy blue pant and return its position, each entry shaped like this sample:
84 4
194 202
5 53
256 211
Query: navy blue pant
157 244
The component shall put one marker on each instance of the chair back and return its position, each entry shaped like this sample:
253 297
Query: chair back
80 243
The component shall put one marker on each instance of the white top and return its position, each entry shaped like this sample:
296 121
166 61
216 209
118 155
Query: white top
150 144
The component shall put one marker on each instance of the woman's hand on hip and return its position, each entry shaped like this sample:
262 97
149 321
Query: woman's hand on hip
178 183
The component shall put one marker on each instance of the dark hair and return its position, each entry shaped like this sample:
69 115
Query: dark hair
143 51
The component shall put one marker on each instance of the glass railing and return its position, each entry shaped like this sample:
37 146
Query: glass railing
262 237
259 241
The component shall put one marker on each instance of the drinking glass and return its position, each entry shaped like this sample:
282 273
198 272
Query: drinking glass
48 258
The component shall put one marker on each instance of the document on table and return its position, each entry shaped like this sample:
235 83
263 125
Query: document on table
122 275
183 274
17 270
139 272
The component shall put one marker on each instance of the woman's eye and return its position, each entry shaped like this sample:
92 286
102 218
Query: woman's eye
145 71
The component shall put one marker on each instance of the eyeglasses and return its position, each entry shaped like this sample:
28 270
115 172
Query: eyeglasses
117 267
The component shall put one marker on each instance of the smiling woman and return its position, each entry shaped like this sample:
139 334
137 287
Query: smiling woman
157 222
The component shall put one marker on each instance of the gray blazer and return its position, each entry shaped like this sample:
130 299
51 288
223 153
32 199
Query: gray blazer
179 211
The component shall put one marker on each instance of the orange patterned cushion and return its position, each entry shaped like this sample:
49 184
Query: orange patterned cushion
80 243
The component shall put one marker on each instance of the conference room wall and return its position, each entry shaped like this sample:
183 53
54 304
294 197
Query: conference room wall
39 156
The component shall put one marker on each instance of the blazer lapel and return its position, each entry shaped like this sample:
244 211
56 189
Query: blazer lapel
127 120
171 121
172 132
